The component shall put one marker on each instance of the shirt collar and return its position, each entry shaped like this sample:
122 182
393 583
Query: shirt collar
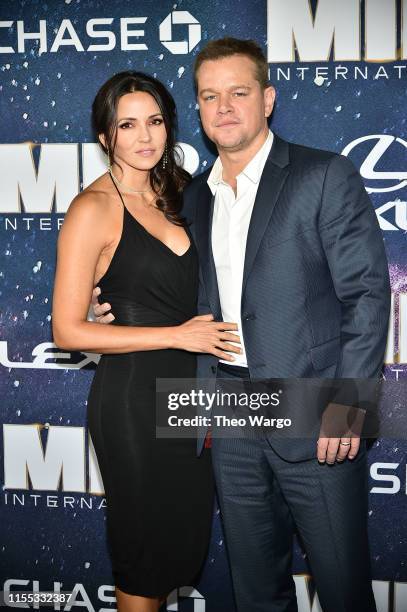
252 171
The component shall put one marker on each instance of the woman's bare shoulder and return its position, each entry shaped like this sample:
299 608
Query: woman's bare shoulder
97 199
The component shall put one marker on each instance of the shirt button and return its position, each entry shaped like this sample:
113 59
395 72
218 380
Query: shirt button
249 317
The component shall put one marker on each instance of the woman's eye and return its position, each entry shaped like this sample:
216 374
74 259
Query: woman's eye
124 125
157 121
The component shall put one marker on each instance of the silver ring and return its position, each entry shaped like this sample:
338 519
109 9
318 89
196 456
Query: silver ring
345 443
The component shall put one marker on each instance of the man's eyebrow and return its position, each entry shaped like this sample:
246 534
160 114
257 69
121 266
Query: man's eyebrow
135 118
208 89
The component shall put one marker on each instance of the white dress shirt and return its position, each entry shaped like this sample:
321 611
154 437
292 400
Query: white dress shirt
230 224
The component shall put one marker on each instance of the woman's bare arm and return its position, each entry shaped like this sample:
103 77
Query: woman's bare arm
81 242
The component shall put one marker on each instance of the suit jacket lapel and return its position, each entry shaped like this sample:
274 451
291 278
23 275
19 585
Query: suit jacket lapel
203 232
272 180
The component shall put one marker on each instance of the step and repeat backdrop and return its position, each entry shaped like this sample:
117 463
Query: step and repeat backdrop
340 70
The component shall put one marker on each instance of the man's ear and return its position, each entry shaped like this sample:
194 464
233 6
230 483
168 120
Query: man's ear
269 98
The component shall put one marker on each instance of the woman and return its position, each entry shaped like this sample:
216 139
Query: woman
124 233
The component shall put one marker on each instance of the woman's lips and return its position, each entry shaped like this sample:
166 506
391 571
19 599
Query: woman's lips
146 152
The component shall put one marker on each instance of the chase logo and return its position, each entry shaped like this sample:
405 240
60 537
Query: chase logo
173 600
185 593
178 47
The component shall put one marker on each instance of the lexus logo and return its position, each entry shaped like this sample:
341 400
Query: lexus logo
381 181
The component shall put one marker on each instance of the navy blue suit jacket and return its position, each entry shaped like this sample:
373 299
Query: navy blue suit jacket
316 292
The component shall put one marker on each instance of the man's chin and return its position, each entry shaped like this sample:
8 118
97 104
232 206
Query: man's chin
229 144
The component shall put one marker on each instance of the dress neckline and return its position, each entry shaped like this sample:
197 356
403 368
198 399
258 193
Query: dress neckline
146 230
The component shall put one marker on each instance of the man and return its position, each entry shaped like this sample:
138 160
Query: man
290 249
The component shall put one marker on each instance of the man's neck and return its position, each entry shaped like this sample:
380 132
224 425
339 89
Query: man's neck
233 162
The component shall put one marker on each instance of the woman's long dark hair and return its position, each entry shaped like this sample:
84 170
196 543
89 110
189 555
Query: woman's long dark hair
166 182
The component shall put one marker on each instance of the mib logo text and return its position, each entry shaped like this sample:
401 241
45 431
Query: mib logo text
336 29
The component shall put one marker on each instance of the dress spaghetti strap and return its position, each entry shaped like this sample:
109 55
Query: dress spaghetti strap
117 189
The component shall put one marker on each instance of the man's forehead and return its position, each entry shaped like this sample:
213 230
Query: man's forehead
230 62
226 68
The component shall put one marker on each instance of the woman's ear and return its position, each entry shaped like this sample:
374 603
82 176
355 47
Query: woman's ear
102 139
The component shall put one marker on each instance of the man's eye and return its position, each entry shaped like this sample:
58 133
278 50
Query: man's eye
240 93
209 98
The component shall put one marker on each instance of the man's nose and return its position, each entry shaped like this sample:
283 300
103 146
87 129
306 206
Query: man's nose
224 104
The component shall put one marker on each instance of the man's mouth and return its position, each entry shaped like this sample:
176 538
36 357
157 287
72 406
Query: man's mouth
227 124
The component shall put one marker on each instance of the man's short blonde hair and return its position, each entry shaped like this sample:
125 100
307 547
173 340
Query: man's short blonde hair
226 47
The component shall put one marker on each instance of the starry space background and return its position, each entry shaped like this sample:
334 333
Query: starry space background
46 98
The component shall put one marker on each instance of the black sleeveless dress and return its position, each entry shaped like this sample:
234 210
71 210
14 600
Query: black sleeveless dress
159 494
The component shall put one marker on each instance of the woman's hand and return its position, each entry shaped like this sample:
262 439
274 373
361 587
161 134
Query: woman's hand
202 334
198 335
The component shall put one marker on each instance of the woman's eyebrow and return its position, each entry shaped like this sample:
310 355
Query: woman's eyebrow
135 118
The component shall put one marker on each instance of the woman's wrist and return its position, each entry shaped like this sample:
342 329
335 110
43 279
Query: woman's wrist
171 337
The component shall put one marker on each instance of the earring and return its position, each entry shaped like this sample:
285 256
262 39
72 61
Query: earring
109 164
165 157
